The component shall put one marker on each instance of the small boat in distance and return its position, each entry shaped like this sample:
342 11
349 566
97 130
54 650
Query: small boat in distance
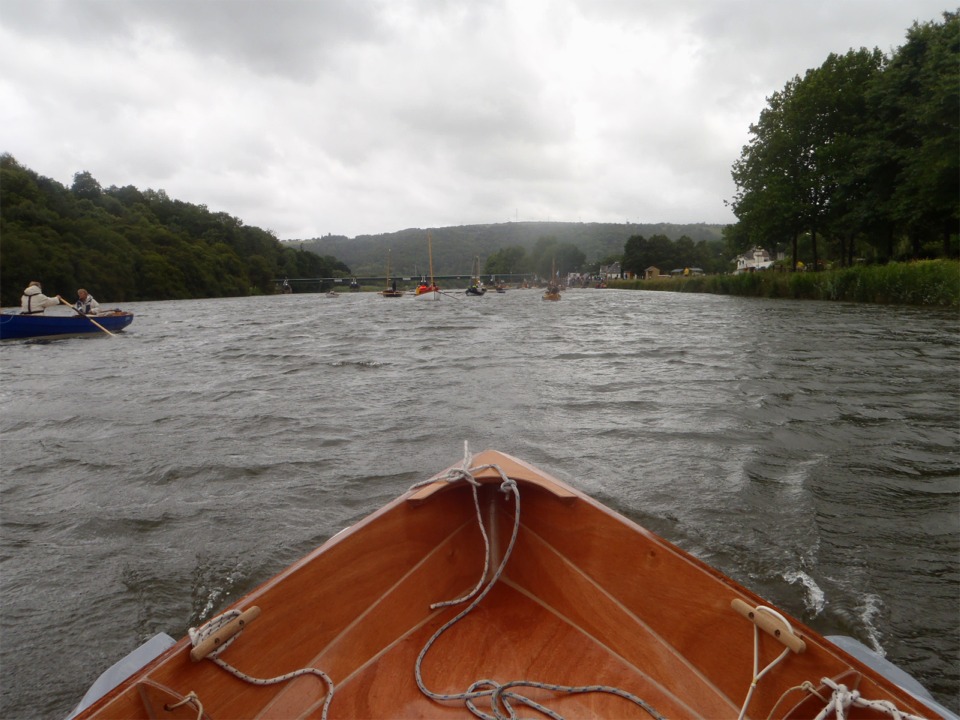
476 285
391 289
553 286
15 326
431 291
493 585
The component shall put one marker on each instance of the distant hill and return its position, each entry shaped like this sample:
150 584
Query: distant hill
455 247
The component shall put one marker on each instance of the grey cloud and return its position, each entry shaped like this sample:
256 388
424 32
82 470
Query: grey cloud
360 116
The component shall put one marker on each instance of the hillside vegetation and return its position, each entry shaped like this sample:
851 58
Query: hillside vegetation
124 244
454 248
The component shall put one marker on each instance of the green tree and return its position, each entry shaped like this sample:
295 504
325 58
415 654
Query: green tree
640 253
917 102
570 258
767 178
507 261
832 101
85 186
858 148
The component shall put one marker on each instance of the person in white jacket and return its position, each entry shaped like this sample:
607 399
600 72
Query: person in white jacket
85 304
34 302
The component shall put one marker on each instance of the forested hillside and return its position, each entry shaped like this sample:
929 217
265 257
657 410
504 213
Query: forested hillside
454 248
125 244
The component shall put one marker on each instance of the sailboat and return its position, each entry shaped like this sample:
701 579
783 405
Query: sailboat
391 289
553 287
431 291
476 285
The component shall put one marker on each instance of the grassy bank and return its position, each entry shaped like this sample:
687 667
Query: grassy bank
925 282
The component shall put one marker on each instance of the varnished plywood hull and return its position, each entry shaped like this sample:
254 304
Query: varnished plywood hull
586 598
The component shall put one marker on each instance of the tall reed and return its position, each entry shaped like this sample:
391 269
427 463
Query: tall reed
924 282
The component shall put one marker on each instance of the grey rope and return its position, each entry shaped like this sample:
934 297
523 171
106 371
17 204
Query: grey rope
500 694
197 635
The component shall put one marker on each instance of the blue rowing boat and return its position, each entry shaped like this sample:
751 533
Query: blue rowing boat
14 326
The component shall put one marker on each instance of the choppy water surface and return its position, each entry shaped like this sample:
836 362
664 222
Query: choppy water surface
809 450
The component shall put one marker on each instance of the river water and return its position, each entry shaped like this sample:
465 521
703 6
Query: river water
809 450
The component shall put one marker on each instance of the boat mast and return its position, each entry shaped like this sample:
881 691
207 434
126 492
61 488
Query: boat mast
430 255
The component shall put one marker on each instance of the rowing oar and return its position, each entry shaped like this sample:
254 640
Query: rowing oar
450 294
86 316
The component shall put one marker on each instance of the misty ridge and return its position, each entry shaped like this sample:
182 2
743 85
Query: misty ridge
454 248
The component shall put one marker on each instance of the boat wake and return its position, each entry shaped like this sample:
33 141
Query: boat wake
814 599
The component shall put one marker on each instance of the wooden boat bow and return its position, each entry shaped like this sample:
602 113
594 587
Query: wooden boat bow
488 466
577 610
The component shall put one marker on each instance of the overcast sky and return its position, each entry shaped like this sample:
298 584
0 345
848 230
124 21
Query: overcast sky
309 117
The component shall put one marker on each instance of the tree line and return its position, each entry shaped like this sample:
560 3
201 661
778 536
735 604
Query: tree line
639 253
124 244
547 256
859 159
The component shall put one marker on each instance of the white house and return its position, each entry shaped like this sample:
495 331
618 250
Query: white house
756 259
611 272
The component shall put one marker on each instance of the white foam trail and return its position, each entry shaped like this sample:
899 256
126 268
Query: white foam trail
870 608
813 597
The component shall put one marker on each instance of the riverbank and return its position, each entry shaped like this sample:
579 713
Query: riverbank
925 282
